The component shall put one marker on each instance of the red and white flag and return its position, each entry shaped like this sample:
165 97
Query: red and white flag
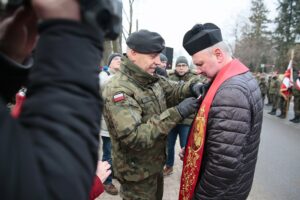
287 81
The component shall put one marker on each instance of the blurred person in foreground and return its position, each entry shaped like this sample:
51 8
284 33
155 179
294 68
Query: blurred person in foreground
140 109
221 152
50 150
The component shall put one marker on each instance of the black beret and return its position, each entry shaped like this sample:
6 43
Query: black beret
201 37
144 41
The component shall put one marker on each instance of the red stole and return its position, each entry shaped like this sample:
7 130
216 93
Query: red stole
194 148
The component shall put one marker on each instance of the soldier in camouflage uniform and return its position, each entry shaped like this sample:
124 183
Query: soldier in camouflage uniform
140 109
181 74
274 93
268 91
296 94
282 105
263 87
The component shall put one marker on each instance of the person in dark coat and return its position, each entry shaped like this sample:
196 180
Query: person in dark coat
51 150
161 69
221 152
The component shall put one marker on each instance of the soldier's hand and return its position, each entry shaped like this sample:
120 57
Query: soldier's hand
53 9
18 34
188 106
198 89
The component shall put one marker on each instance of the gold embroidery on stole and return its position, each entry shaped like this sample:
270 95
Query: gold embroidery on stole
190 167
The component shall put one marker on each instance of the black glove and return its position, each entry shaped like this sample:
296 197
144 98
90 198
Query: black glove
188 106
198 89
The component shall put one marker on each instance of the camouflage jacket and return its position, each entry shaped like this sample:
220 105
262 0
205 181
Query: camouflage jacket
274 86
139 114
186 77
296 92
181 79
263 87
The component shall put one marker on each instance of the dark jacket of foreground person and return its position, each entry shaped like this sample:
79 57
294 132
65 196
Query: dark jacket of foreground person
50 151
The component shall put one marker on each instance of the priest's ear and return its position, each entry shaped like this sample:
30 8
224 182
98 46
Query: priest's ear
219 54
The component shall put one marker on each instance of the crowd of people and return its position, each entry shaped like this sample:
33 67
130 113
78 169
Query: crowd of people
49 142
146 108
271 90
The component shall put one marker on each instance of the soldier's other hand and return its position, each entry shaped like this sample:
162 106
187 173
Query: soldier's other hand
53 9
103 170
18 34
198 89
181 153
188 106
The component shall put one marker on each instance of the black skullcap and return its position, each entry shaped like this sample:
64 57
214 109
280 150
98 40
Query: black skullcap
144 41
201 37
112 56
163 57
182 59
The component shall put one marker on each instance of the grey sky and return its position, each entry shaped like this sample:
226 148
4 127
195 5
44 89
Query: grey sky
172 18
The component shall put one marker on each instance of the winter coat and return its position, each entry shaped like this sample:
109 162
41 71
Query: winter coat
232 140
51 150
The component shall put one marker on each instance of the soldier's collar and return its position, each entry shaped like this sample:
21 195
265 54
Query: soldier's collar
136 73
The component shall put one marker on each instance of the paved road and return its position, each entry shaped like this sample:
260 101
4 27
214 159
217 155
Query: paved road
277 174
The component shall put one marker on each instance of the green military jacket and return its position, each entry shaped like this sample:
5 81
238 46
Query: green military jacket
139 112
296 92
181 79
274 87
186 77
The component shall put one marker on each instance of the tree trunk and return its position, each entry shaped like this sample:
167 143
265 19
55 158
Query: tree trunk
108 49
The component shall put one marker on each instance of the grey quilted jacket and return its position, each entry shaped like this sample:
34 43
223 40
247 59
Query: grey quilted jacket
232 140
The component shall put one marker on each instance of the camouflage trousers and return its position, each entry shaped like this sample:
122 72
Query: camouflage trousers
282 105
297 105
275 100
263 95
269 98
151 188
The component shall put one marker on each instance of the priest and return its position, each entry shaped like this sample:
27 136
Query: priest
222 148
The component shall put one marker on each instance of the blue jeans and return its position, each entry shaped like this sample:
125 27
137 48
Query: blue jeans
106 148
183 131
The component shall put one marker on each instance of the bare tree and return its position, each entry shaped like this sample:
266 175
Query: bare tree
255 46
116 45
129 20
108 49
130 15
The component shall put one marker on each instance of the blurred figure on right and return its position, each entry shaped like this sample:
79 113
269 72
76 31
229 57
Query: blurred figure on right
296 94
222 148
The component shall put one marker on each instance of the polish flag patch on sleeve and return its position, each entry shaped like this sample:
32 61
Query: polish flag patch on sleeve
119 97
